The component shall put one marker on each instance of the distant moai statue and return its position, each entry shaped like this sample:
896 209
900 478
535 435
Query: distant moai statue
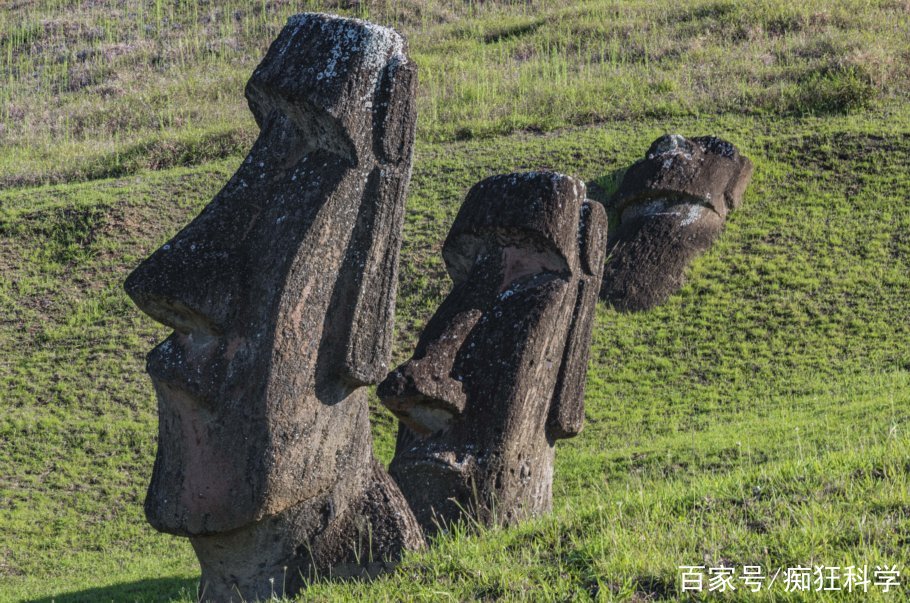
498 374
281 295
672 205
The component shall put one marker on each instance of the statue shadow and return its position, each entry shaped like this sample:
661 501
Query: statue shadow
601 189
145 591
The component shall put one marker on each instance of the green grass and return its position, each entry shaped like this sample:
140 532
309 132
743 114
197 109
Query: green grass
759 417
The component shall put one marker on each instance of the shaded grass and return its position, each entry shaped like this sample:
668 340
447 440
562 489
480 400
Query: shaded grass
760 416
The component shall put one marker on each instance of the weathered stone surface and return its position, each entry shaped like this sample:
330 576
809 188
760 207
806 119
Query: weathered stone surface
498 374
672 205
281 296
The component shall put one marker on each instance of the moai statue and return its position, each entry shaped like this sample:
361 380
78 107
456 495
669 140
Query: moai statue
672 205
281 295
498 374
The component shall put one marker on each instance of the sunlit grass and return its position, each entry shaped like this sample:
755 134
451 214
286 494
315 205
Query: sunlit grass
759 416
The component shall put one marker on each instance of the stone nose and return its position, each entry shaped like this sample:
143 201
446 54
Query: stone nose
424 403
427 391
187 284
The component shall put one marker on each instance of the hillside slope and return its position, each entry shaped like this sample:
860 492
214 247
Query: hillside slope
759 417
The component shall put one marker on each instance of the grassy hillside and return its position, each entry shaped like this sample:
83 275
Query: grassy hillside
759 417
101 88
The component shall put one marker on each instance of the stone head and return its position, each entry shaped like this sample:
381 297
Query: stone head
498 372
671 206
281 291
705 171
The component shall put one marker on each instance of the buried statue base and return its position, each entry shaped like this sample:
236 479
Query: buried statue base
358 530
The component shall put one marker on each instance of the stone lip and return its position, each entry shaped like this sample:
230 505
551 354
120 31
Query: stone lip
672 205
281 295
498 373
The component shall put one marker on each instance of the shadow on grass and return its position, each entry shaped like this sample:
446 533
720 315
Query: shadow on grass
601 189
155 589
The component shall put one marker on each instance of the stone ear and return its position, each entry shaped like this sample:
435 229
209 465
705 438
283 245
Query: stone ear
592 236
376 240
393 103
374 248
567 408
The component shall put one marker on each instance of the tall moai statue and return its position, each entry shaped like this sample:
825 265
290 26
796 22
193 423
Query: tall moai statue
281 295
498 374
672 205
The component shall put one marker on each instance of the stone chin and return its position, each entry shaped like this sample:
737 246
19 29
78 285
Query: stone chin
197 484
213 478
440 486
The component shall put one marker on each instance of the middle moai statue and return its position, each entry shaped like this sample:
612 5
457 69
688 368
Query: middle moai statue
498 374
